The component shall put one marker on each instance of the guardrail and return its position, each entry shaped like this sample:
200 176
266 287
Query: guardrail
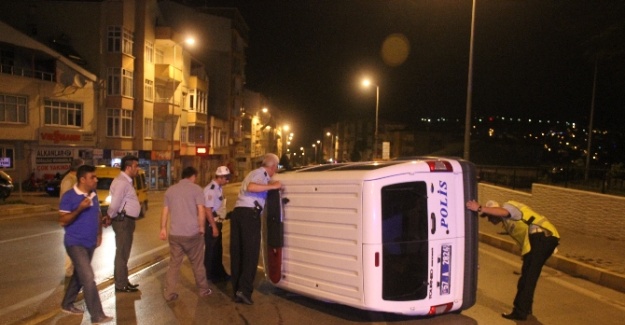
521 178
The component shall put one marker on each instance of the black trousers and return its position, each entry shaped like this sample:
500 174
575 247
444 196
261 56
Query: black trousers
124 231
542 248
213 253
244 249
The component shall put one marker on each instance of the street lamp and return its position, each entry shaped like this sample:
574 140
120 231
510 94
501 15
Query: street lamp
315 146
367 83
320 144
331 146
190 41
467 118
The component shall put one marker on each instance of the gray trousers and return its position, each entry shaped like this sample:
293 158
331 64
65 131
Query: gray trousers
124 231
193 248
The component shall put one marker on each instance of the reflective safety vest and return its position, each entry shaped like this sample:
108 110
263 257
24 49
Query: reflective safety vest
519 229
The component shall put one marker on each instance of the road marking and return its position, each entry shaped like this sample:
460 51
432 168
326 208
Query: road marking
31 236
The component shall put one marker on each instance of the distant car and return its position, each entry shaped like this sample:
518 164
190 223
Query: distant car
53 186
6 185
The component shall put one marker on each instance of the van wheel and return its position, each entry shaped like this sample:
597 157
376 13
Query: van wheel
144 209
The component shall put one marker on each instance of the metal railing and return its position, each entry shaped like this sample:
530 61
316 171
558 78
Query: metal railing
36 74
601 180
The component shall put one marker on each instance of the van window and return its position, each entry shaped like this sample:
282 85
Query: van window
404 241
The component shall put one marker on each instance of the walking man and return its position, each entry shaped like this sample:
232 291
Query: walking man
245 227
537 238
213 251
79 214
67 183
185 203
123 213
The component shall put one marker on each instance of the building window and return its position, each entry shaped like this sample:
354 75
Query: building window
120 82
160 130
119 122
149 90
148 128
13 108
129 40
120 40
198 101
7 152
196 134
159 56
149 52
114 39
63 113
183 134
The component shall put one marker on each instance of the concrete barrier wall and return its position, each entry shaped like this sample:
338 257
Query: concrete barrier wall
593 213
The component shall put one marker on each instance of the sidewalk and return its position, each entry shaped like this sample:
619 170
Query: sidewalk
599 260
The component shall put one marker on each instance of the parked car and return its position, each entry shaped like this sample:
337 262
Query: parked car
53 186
6 185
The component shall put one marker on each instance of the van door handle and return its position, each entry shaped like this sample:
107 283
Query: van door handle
433 217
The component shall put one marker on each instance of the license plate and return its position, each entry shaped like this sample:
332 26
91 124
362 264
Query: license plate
445 269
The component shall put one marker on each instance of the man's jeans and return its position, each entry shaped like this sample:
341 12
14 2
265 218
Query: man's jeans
84 278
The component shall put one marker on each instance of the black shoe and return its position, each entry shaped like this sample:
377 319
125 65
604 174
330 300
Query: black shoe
126 289
134 286
515 315
241 297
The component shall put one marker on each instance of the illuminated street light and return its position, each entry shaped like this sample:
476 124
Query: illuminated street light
367 83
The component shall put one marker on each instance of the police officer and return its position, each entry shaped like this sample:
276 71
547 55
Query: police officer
538 239
124 211
245 227
214 201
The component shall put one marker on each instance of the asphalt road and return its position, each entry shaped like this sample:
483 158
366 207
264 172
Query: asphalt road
32 284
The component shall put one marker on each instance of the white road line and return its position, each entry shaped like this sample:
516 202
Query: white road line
31 236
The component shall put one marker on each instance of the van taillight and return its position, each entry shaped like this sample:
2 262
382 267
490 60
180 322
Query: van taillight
439 166
440 309
377 259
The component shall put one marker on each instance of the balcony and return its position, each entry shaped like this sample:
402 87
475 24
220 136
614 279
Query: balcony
197 83
167 72
165 107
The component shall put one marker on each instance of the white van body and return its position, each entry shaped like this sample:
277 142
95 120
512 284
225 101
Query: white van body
390 236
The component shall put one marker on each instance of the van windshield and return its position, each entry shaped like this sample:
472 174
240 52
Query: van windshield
104 183
404 241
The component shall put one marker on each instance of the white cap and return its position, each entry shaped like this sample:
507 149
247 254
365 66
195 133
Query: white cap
222 171
492 204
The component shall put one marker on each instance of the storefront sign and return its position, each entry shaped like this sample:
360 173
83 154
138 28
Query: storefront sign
65 137
124 153
5 162
160 155
49 161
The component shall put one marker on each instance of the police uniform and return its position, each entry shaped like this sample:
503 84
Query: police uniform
538 239
213 253
245 233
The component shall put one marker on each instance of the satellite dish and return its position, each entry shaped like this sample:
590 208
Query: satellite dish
79 81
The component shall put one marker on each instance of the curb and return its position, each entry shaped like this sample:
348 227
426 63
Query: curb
569 266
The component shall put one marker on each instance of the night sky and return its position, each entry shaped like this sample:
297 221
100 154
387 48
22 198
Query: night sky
531 59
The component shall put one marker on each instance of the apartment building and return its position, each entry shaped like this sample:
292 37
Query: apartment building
152 93
47 108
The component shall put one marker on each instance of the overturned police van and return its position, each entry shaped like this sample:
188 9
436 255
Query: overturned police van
391 236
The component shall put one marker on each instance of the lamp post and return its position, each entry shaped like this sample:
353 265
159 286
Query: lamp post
320 145
467 118
190 41
315 146
367 83
332 144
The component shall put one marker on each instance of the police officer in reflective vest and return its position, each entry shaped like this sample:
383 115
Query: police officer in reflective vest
537 238
215 204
